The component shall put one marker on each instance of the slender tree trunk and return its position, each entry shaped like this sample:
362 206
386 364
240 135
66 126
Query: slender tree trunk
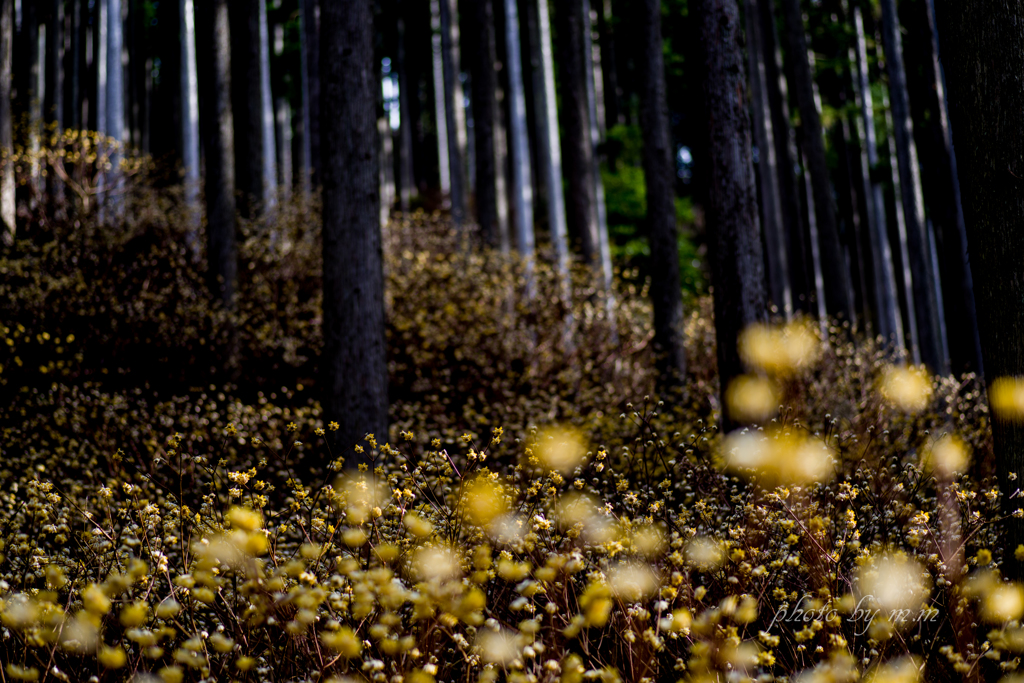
311 59
813 246
214 42
910 317
167 107
452 104
666 293
835 271
942 188
115 101
190 121
444 160
501 173
522 183
484 86
577 146
887 312
983 54
72 66
551 160
53 96
801 276
307 114
354 362
269 166
772 225
405 160
925 304
603 243
33 99
7 207
283 130
247 105
733 229
609 70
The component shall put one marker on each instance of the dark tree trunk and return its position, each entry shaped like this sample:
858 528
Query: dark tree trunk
737 270
942 187
772 225
484 86
456 162
7 194
353 364
925 303
72 66
311 36
247 104
53 97
213 44
801 274
836 276
666 294
406 185
609 65
983 51
577 149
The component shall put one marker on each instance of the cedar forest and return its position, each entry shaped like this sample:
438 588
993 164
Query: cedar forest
511 340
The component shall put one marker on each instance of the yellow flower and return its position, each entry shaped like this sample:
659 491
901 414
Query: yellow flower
333 426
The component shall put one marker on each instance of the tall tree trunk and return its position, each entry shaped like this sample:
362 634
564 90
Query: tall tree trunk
190 121
983 51
942 187
53 96
72 66
167 107
311 59
484 86
887 312
115 102
551 159
836 275
925 303
903 253
522 183
7 208
405 161
603 244
247 105
737 270
354 362
34 86
772 225
444 160
283 135
609 65
269 167
577 147
452 105
666 293
797 260
214 42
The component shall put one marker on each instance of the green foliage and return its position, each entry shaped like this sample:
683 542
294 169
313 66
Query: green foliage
626 201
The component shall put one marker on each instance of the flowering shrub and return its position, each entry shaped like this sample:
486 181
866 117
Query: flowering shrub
524 519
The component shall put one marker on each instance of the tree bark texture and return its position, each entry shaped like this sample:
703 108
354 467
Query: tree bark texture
354 363
983 50
406 187
836 274
577 149
609 65
213 35
925 304
666 293
737 270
